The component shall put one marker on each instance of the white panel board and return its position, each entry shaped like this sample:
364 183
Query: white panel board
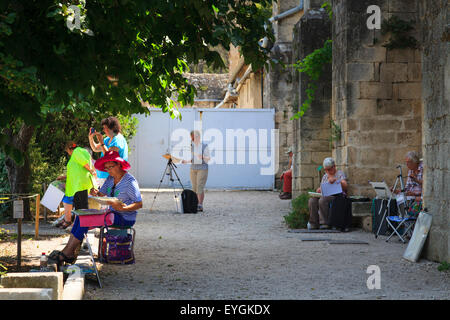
239 140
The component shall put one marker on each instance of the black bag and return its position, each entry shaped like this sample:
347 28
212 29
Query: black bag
341 212
377 215
190 201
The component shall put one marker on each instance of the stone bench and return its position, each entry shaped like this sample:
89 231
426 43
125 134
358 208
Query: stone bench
33 280
362 216
26 294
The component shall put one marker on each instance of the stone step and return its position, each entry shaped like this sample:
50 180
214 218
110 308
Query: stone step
26 294
361 209
37 280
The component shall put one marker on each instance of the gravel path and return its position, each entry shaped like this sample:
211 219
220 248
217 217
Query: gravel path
240 248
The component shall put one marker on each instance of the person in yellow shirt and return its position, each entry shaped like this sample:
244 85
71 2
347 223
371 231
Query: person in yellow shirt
78 180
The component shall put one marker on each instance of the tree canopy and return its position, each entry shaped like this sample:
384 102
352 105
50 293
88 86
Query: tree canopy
114 53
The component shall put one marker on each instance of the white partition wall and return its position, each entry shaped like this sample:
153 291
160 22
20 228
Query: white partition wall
241 141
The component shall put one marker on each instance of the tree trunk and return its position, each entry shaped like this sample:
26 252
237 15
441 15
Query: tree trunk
19 176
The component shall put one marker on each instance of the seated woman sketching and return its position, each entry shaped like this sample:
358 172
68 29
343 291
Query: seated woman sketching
119 184
413 187
319 207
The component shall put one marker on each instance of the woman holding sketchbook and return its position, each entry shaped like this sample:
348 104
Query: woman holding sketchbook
332 181
121 185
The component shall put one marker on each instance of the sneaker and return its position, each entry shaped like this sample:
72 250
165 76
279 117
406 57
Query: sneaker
200 208
324 226
311 226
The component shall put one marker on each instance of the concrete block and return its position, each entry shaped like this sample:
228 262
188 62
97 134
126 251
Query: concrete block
350 125
370 54
371 139
400 55
361 108
26 294
360 176
361 208
53 280
396 107
393 72
308 171
360 72
380 125
303 157
375 157
375 90
316 145
410 138
74 287
414 72
410 90
318 157
305 184
413 124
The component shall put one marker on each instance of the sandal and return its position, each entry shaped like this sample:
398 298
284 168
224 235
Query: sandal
64 224
56 256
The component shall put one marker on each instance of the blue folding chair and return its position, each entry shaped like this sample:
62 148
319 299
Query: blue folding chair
403 223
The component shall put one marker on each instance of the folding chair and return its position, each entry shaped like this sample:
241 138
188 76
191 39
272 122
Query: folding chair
401 224
403 227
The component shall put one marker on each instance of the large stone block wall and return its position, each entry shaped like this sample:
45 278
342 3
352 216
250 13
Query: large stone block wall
436 126
283 29
278 96
277 81
376 94
312 130
250 92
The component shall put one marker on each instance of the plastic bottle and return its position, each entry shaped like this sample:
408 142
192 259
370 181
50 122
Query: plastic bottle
43 262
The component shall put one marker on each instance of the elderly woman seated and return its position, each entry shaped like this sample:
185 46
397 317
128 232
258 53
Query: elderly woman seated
413 187
319 207
119 184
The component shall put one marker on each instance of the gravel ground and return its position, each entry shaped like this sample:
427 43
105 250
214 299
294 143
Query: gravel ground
240 248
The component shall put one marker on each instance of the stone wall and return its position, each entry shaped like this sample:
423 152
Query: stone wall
376 94
283 29
250 92
277 83
436 126
312 131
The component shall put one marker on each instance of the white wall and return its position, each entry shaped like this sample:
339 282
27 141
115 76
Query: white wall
239 162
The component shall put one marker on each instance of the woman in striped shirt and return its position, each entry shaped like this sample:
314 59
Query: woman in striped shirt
119 184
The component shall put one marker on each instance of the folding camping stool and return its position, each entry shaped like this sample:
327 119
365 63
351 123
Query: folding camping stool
402 221
121 229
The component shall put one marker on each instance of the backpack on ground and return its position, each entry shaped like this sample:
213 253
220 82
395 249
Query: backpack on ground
341 213
190 201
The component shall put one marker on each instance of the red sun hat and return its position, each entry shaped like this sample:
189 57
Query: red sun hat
111 156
